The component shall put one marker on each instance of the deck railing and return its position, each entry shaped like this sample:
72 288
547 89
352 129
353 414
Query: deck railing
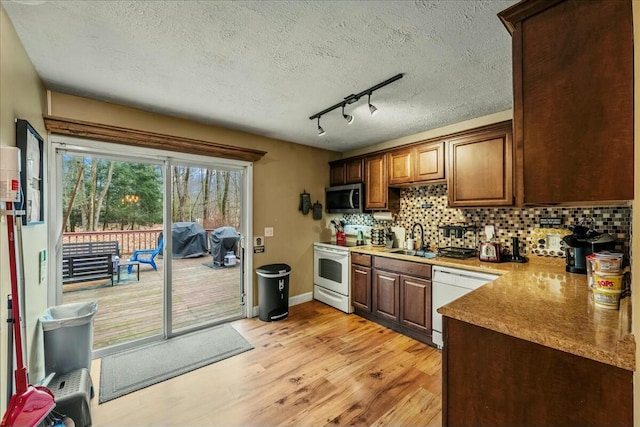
129 240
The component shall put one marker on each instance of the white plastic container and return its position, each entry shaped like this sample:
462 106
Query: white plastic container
605 298
230 259
608 262
411 244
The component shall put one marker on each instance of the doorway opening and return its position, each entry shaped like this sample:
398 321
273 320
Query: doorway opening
155 287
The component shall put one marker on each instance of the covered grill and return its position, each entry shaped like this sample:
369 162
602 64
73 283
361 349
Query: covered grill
189 240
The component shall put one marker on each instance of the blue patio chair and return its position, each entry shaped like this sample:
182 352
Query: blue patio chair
146 256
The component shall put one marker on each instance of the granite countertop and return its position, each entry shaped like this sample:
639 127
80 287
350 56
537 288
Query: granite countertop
539 302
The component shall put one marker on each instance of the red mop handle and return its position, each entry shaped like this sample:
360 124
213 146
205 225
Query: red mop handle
21 371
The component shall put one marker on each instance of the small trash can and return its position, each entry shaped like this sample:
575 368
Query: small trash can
68 337
273 291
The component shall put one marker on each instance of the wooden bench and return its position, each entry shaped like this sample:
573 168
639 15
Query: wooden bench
82 262
83 248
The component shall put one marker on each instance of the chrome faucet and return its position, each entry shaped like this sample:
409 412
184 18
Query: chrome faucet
423 247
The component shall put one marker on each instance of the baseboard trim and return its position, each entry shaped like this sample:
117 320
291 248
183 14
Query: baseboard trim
294 300
299 299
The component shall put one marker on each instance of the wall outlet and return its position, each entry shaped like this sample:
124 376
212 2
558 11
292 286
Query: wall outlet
268 232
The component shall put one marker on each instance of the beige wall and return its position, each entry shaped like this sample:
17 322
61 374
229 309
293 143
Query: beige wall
22 95
279 177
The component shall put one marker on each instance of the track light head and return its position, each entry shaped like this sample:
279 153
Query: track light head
347 117
372 108
320 130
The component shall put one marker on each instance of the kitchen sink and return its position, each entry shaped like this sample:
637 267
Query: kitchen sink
403 251
411 252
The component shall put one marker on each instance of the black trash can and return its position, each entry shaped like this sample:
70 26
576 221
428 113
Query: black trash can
273 291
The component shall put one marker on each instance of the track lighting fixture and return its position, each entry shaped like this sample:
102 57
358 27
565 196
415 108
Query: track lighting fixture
354 98
347 117
320 130
372 108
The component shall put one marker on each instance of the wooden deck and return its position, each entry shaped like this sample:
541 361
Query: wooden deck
132 309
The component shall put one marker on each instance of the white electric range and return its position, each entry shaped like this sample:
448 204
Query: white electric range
331 270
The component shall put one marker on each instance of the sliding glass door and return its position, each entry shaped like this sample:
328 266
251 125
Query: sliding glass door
156 241
206 273
111 210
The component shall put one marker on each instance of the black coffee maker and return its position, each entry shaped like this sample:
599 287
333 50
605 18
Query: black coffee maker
584 241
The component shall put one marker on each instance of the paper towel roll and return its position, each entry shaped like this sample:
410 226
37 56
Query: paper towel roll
383 216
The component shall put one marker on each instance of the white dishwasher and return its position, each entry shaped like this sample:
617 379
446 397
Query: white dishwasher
449 284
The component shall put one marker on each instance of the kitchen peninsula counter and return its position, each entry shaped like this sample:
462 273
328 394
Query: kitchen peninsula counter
540 303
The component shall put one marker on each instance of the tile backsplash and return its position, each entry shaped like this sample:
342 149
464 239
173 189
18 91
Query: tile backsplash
428 206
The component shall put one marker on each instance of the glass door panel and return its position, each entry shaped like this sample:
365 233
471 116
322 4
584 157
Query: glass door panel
206 261
113 207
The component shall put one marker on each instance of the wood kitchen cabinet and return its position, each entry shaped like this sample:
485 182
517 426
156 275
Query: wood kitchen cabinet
429 162
492 379
361 281
346 172
415 311
481 168
378 195
573 100
401 166
419 164
399 295
386 295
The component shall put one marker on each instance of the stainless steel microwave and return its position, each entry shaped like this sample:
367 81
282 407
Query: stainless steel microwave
344 198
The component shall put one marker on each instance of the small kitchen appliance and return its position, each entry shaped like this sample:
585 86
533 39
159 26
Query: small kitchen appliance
489 250
344 199
456 241
515 252
584 241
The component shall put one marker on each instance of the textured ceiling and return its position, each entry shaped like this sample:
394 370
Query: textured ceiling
266 66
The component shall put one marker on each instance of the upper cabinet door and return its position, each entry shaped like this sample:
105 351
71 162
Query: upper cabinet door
481 169
573 100
337 173
429 162
346 172
418 164
376 182
401 166
354 171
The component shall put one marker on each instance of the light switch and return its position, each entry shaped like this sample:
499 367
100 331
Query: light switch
268 232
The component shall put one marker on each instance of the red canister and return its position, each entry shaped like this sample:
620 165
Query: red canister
341 238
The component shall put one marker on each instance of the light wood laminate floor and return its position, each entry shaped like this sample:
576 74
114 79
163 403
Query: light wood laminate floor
319 367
